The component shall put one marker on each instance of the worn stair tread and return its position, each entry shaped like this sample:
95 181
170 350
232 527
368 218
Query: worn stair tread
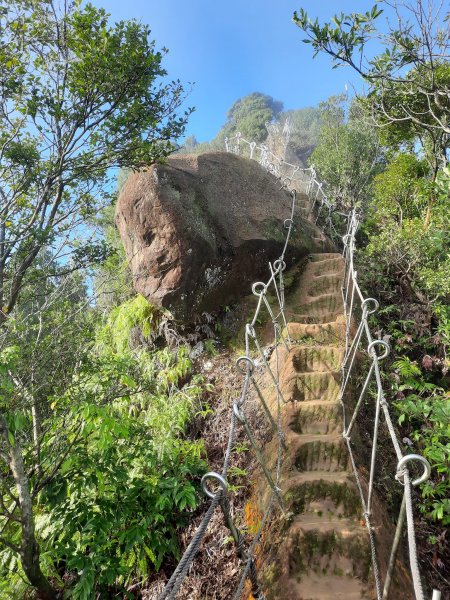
311 403
328 587
323 319
322 256
344 526
333 332
309 438
341 477
307 386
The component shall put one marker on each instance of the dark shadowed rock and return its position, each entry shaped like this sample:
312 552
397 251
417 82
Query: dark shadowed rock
200 229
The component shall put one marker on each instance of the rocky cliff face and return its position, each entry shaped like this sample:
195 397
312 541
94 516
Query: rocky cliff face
199 230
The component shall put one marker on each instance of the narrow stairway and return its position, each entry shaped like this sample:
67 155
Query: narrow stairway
325 551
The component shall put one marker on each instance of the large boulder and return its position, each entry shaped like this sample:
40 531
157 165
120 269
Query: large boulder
199 230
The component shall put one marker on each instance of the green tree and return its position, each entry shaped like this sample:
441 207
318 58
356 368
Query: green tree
409 82
109 475
347 157
413 67
189 144
249 116
78 98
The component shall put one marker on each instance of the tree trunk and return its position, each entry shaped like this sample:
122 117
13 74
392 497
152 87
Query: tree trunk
29 548
431 203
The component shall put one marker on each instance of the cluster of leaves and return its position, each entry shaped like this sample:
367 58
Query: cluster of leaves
347 157
79 97
404 259
249 115
405 263
109 514
425 407
401 243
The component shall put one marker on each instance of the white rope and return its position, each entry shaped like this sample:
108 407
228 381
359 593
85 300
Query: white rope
364 334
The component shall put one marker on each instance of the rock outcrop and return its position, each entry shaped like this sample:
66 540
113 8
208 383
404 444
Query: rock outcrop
199 230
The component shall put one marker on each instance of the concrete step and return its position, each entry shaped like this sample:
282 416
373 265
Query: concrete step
321 304
314 417
327 267
309 319
324 256
323 333
306 359
326 491
320 452
316 586
324 284
306 386
326 548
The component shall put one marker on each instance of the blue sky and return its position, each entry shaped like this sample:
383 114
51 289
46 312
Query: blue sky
231 49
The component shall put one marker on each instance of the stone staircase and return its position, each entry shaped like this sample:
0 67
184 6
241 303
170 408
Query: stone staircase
323 549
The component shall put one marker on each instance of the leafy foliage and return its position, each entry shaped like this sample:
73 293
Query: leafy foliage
409 80
249 115
124 484
347 157
79 97
426 407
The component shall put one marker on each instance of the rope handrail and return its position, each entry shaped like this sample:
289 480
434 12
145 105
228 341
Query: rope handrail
285 171
352 296
363 342
357 309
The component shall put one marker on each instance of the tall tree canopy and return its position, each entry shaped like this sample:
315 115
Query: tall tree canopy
249 115
78 98
410 80
347 156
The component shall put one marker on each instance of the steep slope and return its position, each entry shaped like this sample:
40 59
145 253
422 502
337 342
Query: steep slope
320 548
325 551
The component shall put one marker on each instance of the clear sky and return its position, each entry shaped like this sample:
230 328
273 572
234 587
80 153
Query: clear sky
230 49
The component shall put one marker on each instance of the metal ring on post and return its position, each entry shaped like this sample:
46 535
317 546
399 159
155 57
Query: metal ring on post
345 238
288 223
250 331
250 365
409 457
372 345
238 413
365 303
279 265
255 290
218 478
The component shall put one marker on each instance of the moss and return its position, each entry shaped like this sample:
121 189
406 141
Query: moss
270 577
335 456
274 230
318 552
342 495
